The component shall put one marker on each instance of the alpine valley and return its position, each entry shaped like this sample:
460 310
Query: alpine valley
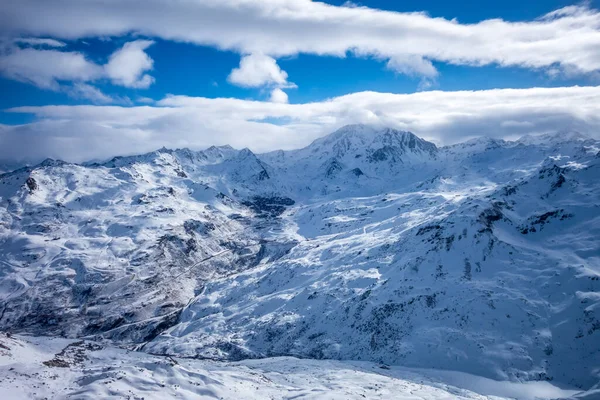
371 263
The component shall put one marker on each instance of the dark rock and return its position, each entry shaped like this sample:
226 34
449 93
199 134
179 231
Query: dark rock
509 190
537 222
192 225
467 271
428 228
559 182
268 206
333 168
379 155
357 172
31 184
263 175
489 216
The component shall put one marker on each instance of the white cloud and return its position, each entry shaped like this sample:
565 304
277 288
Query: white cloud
78 133
415 66
257 70
40 42
127 65
48 68
45 68
412 65
145 100
84 91
567 39
278 96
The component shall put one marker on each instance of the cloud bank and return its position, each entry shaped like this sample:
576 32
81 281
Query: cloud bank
563 41
79 133
51 68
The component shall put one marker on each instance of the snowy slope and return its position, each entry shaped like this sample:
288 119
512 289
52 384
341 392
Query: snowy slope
57 368
370 244
98 248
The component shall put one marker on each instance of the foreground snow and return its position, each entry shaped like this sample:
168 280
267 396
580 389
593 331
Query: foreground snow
38 368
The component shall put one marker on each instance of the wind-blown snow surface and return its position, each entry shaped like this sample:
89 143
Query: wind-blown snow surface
38 368
370 244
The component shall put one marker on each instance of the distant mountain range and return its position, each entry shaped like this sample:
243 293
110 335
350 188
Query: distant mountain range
369 244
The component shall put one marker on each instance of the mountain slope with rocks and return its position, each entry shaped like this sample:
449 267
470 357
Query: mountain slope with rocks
370 245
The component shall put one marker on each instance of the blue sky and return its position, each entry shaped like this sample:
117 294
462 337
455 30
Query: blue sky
193 70
136 54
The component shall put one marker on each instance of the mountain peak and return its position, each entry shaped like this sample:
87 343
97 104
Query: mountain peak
219 152
356 141
366 131
50 162
554 138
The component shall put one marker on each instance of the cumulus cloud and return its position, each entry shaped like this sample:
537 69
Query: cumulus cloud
568 38
78 133
278 96
413 66
257 70
127 65
47 68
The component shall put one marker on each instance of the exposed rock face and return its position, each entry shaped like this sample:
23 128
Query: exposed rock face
31 184
268 206
357 172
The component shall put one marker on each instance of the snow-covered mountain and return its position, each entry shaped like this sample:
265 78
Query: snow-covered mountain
363 144
370 244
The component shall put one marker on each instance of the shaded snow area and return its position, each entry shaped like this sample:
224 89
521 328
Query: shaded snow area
224 270
38 368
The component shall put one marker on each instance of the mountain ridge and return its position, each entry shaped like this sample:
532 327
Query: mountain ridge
368 133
